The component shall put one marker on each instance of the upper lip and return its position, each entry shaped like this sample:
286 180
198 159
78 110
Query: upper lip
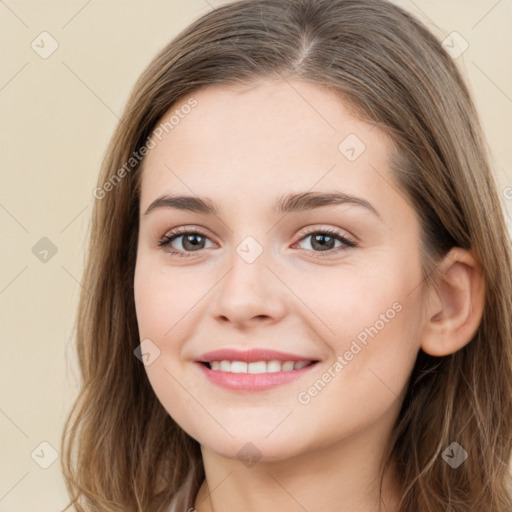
250 356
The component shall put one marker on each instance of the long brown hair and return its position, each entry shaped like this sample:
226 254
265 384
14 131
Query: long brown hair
121 449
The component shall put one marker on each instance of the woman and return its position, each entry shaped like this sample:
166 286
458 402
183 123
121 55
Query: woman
298 288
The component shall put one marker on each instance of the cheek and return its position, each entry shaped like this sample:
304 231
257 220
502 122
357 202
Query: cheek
374 317
162 297
161 301
360 303
372 359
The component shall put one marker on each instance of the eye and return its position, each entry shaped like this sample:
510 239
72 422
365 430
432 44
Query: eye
192 240
324 241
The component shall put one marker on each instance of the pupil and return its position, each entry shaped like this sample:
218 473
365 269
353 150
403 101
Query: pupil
189 239
321 239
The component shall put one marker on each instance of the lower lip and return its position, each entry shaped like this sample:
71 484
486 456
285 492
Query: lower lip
253 381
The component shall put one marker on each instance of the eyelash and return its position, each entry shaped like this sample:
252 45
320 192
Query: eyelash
176 233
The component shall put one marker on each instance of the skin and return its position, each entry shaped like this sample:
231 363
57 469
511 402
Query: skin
244 148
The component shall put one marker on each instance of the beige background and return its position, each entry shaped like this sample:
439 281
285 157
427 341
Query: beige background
57 116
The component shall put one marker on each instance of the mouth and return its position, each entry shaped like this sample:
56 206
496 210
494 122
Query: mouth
253 370
256 367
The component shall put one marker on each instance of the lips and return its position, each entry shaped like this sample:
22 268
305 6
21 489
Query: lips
253 370
251 356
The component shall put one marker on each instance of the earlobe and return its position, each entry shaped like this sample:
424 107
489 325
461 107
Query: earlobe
455 306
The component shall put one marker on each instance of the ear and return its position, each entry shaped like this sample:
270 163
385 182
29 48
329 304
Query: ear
455 306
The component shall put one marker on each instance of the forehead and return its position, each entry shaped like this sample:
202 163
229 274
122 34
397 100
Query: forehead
264 139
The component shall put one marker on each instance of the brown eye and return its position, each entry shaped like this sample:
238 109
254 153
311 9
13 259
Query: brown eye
184 241
325 241
322 242
192 242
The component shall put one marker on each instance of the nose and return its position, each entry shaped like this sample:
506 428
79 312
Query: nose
249 294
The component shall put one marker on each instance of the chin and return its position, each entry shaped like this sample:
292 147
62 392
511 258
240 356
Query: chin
251 452
254 446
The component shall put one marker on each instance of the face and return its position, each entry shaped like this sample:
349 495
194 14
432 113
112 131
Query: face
304 280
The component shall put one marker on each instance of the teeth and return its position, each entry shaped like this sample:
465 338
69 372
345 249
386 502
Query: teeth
238 367
273 366
225 366
257 366
287 366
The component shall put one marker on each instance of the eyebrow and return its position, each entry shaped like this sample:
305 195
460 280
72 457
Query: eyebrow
289 203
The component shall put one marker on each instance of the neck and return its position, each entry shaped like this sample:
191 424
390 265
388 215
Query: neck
345 476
